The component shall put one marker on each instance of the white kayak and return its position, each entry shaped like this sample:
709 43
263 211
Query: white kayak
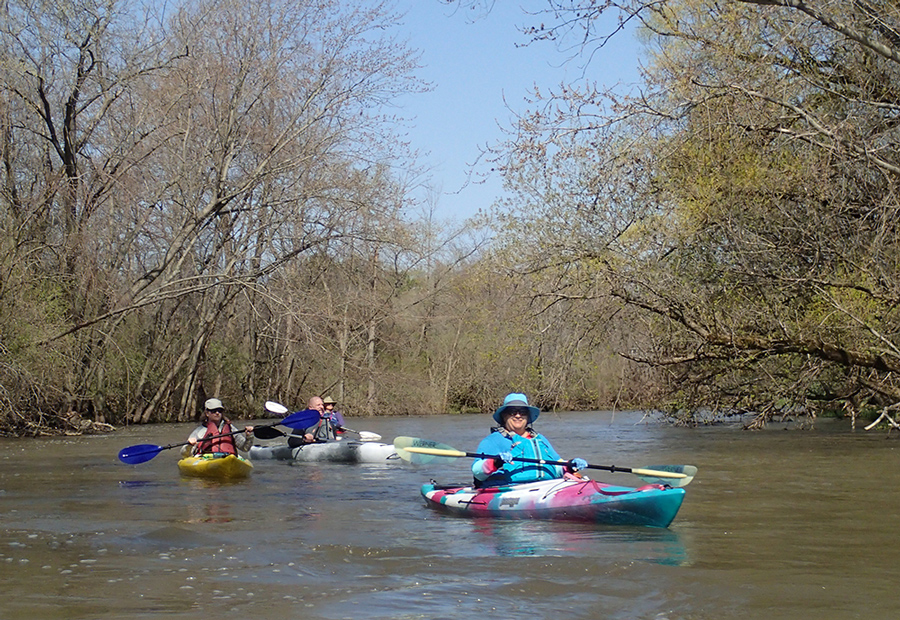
330 452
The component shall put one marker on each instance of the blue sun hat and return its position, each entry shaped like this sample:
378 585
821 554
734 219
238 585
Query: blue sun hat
516 400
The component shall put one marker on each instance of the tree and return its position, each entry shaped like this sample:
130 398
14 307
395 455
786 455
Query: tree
174 162
68 138
743 203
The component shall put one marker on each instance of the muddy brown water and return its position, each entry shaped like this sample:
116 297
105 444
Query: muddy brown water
779 524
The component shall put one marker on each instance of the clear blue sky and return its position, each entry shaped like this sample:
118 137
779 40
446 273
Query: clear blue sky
478 73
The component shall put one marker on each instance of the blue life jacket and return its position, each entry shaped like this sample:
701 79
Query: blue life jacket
531 445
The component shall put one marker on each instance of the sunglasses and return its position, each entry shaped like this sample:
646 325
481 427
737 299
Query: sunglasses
517 412
215 410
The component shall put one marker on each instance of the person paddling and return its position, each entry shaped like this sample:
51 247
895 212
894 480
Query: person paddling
515 438
216 434
324 430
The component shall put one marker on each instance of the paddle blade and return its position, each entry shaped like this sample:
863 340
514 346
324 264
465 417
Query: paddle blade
688 471
266 432
302 419
140 453
363 435
276 408
402 445
456 454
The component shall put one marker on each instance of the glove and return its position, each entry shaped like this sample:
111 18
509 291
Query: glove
577 464
503 457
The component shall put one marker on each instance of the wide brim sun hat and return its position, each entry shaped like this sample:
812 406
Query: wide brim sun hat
516 400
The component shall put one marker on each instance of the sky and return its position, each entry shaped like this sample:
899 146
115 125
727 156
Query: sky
479 74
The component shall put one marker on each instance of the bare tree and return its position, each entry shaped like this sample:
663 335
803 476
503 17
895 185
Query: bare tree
742 203
198 153
66 80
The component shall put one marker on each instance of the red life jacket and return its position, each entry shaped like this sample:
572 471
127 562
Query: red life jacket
214 442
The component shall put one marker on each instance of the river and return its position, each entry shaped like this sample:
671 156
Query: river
779 524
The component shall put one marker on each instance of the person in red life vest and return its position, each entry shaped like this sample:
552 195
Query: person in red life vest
216 434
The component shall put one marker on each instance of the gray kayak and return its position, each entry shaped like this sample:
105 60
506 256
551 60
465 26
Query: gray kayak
330 452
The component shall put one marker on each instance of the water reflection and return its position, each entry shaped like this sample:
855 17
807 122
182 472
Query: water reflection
547 538
166 538
138 483
209 512
87 537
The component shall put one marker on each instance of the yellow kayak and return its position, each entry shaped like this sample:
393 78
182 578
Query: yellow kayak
227 467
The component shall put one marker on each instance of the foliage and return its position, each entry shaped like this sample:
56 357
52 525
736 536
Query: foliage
742 204
160 169
215 198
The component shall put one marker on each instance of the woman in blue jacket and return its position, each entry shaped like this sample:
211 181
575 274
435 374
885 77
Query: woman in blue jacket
515 438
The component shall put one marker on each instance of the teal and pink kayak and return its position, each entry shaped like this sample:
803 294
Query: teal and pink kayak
567 500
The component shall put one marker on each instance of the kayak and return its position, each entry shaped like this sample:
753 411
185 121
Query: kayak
222 467
330 452
567 500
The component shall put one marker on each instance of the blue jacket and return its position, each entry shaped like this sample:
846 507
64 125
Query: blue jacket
531 445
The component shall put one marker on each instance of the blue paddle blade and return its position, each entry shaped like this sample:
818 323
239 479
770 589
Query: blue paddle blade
301 419
140 453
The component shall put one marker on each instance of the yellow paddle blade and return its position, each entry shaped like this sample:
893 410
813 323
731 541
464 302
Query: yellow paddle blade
653 474
436 452
657 474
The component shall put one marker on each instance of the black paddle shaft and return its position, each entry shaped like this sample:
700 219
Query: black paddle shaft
523 459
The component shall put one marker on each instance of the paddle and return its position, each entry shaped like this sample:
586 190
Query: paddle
408 448
280 409
363 435
276 408
267 432
142 453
